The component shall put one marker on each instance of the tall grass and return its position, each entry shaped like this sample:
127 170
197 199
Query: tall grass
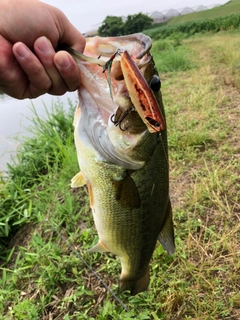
48 150
171 55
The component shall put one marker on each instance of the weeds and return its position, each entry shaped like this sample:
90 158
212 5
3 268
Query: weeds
171 56
38 158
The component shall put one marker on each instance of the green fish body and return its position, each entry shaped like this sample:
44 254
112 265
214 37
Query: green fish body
123 164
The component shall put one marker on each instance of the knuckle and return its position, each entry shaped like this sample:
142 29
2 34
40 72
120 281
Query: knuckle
57 90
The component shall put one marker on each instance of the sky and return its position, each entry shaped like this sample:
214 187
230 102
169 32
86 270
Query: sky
87 15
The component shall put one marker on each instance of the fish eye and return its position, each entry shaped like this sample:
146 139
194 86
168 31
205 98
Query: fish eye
155 83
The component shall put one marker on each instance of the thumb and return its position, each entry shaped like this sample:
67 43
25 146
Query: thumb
69 35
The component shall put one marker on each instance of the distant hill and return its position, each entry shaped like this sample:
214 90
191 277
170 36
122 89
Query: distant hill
231 7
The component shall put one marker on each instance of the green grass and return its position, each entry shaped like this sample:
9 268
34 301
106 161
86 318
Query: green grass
171 56
232 7
46 228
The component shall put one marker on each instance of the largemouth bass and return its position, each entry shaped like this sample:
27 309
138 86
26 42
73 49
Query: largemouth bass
121 141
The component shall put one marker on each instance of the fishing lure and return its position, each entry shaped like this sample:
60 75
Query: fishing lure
141 95
119 121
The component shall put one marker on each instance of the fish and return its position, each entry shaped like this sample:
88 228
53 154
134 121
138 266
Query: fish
120 135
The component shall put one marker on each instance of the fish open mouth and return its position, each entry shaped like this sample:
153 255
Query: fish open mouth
126 62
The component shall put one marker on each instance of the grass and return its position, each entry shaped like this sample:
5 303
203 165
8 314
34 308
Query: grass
231 7
171 55
46 228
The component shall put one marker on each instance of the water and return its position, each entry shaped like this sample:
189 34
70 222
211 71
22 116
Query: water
14 121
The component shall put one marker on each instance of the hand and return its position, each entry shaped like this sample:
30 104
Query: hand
30 31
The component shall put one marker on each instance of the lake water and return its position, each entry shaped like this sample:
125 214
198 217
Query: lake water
14 120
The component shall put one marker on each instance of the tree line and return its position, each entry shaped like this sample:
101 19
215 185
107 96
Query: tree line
114 26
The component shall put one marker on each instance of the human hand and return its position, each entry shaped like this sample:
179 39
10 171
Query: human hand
30 31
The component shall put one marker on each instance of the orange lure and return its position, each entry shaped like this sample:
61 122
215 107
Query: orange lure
141 95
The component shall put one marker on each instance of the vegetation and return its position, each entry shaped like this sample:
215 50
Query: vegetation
137 23
189 28
220 18
111 26
114 26
46 227
225 17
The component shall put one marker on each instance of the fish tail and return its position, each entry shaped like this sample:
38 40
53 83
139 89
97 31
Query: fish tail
135 286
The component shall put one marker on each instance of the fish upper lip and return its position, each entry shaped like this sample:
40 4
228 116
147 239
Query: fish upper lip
79 55
102 62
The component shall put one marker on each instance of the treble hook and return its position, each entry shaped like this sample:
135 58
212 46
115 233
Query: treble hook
119 122
108 66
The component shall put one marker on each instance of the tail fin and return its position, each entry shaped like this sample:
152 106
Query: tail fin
135 285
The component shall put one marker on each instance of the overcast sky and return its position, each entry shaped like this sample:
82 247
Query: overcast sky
86 14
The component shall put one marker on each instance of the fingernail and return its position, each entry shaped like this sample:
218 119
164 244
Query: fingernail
64 62
22 51
44 45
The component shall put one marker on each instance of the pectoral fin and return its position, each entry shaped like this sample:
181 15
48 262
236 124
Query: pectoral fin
91 196
166 235
78 180
99 247
127 192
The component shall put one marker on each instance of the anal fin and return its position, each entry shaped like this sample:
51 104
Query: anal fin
99 247
166 235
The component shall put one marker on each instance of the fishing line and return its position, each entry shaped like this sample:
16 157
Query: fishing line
78 255
165 153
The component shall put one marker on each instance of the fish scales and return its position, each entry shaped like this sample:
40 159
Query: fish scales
126 171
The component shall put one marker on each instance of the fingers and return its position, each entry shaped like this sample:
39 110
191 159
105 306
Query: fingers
45 53
35 80
47 71
60 67
12 77
68 69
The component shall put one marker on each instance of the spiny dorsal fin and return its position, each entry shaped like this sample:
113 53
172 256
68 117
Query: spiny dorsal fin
99 247
127 192
78 180
166 235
